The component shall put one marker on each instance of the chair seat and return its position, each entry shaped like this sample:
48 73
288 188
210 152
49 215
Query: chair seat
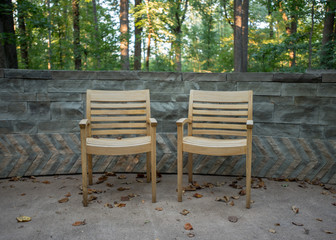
215 147
124 146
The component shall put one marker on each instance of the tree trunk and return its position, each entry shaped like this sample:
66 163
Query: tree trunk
97 34
124 43
49 37
328 30
23 34
311 34
293 30
241 8
150 30
137 42
8 55
76 35
269 10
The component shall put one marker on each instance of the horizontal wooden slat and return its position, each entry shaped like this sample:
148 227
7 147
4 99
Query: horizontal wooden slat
220 106
218 96
219 119
118 125
223 113
118 105
119 131
219 126
220 132
118 112
118 96
120 119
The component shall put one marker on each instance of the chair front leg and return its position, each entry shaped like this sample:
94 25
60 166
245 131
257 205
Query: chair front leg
89 159
248 168
190 167
148 166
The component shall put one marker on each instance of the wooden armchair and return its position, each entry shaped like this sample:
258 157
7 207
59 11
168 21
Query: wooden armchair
117 114
215 113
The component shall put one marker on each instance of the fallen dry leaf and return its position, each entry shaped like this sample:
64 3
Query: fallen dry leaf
123 188
46 182
109 184
23 219
120 205
188 226
297 224
79 223
334 203
231 203
110 174
191 235
23 194
124 198
328 232
223 199
158 208
92 198
325 193
235 197
233 219
208 185
197 195
295 209
140 175
185 212
271 230
109 205
68 195
14 179
277 224
63 200
319 219
189 188
101 179
242 192
139 180
122 177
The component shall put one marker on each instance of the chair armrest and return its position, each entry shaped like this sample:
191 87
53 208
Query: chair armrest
249 124
182 121
84 123
152 122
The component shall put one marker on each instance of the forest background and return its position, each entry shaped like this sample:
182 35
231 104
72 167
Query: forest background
169 35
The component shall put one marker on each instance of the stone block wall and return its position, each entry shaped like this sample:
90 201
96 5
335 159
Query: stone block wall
294 114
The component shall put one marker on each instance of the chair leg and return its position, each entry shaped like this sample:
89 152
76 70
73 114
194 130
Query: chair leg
190 167
179 173
148 166
153 169
89 158
84 178
248 179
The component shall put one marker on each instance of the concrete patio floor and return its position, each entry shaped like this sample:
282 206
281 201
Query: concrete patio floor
271 215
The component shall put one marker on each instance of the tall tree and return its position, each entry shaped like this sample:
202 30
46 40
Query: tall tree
124 35
22 13
8 55
241 11
329 33
76 35
137 41
97 36
49 36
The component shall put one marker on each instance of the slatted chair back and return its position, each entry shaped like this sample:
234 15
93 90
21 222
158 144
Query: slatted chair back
118 112
219 113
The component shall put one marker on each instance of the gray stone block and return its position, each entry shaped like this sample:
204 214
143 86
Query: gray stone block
60 97
73 75
164 86
6 127
330 132
16 111
327 90
250 77
77 86
162 97
11 85
39 110
134 85
2 73
108 85
167 126
204 77
261 88
296 114
276 130
263 112
58 126
328 115
3 107
27 74
117 75
297 77
311 101
328 77
274 100
165 111
299 89
25 127
160 76
66 111
17 97
35 85
311 131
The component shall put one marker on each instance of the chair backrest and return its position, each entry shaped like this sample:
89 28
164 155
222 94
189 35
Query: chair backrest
118 112
220 113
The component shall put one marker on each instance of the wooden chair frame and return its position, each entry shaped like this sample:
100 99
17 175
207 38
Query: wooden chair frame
216 113
118 114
